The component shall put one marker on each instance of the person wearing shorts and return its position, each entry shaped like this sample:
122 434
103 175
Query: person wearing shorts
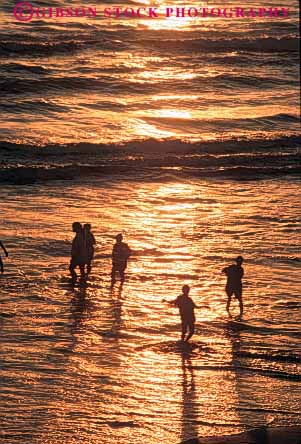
234 275
120 255
186 308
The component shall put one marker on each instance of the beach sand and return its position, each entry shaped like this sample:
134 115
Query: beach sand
273 435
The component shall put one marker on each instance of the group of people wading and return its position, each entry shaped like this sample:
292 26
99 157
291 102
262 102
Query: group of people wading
82 253
82 250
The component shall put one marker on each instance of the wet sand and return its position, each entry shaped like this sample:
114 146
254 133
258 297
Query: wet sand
96 365
276 435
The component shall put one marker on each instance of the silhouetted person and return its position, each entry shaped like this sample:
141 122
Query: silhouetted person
78 256
186 308
89 241
6 254
120 254
234 274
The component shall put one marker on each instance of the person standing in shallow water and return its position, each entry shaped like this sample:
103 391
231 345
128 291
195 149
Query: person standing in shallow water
186 308
6 254
89 241
78 254
120 255
234 275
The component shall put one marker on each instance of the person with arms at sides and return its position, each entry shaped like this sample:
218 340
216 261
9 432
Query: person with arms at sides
120 255
234 275
78 254
90 241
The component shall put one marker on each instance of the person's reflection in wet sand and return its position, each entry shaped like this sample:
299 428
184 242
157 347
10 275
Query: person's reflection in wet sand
116 309
78 307
189 403
259 434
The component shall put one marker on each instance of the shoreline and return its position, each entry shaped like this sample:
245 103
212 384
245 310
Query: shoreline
263 435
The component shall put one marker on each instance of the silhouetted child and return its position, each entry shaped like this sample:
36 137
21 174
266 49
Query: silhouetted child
6 254
186 308
89 241
120 254
234 274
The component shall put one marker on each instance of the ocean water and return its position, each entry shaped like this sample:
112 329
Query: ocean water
104 80
183 134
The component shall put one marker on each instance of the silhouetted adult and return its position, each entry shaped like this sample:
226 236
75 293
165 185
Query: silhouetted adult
89 241
78 255
6 254
234 275
120 254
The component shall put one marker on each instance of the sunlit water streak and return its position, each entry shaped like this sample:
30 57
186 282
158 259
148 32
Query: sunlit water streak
93 365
